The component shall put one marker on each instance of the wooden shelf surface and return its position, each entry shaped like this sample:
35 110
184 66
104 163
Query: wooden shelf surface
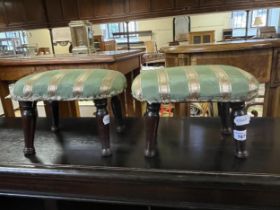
195 166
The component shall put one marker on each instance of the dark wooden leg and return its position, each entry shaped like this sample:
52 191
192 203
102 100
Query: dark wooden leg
223 109
29 116
117 110
103 122
151 123
54 112
240 122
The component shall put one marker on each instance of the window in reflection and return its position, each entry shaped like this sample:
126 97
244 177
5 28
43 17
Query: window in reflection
262 15
110 28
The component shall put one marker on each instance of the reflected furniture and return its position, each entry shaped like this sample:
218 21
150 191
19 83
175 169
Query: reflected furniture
152 55
126 62
227 85
259 57
82 37
69 85
199 37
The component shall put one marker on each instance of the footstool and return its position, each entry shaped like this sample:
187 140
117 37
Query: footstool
229 86
68 85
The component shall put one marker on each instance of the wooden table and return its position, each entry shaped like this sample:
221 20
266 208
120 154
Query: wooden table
196 168
259 57
126 61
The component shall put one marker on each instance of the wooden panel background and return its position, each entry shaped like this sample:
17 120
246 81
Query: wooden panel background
86 9
26 14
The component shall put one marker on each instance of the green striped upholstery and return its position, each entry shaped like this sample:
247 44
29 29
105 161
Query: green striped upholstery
69 84
195 83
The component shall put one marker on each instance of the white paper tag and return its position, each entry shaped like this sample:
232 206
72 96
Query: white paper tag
106 119
240 135
242 120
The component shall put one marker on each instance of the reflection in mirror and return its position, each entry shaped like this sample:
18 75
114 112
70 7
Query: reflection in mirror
226 26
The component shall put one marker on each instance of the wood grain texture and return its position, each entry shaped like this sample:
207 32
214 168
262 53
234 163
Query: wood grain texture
55 13
195 167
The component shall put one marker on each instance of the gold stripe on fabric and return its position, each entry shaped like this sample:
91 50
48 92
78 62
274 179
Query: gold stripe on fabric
224 81
28 87
163 85
138 88
53 85
78 87
107 83
193 82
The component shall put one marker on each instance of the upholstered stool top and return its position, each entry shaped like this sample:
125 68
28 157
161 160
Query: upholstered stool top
195 83
69 84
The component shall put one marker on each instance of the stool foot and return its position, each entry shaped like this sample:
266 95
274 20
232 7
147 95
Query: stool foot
226 131
29 117
150 153
120 128
106 152
54 128
151 123
103 122
29 151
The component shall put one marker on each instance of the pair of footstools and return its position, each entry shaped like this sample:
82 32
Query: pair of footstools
227 85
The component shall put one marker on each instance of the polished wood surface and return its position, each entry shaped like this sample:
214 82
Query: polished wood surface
195 167
18 14
125 61
260 57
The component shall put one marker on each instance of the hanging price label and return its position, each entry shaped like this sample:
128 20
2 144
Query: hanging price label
106 119
242 120
240 135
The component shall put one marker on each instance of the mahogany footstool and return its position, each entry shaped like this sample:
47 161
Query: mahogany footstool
68 85
227 85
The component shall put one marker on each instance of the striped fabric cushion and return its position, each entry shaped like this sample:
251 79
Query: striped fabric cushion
195 83
69 84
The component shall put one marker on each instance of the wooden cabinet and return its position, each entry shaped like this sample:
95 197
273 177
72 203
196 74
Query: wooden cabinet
136 6
34 16
61 12
21 13
54 12
201 37
207 3
159 5
3 22
86 8
26 14
183 4
70 10
103 8
14 10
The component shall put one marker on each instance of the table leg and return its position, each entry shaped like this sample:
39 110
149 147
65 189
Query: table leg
69 109
272 102
6 103
128 96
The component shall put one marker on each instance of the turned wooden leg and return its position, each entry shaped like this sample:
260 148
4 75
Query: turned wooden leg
29 116
103 122
117 110
240 121
151 123
224 113
54 112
